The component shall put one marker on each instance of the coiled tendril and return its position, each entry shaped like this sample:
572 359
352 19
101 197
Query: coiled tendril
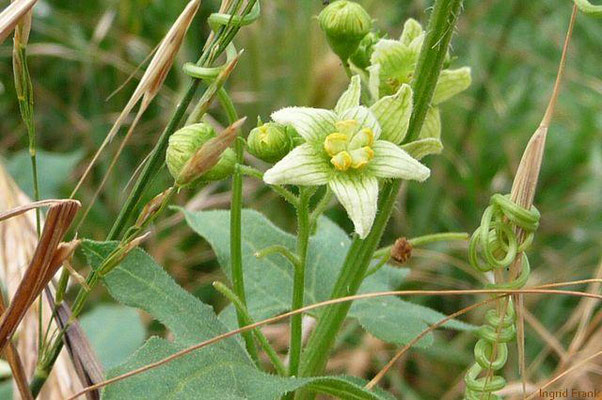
217 20
495 244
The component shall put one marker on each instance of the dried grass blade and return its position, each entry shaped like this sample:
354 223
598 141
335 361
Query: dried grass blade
30 206
85 361
153 78
16 365
18 240
525 185
10 17
47 259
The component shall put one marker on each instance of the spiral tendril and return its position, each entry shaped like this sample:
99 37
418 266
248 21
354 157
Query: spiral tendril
494 245
217 20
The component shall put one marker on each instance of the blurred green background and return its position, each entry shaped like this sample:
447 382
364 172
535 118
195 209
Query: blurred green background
80 52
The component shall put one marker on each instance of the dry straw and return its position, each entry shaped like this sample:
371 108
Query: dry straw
49 255
12 15
18 241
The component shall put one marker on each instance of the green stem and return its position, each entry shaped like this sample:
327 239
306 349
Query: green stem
265 344
320 208
427 239
284 193
303 231
378 265
352 275
283 251
439 33
214 48
438 237
238 281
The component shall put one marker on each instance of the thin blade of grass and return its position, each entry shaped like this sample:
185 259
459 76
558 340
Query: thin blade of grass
151 81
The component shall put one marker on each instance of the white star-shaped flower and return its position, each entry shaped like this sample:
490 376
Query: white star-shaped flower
349 149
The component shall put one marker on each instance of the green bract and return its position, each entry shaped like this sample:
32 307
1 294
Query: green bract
184 143
345 24
350 149
361 57
270 142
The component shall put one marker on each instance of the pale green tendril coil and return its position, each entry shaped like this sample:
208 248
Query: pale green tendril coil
216 20
589 9
495 245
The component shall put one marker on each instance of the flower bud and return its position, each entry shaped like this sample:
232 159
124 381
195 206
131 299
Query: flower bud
271 142
345 24
361 57
184 145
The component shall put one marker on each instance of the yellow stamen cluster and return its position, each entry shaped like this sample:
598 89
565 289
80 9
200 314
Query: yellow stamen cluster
350 146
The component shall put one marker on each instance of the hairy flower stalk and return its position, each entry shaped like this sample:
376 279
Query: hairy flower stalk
430 62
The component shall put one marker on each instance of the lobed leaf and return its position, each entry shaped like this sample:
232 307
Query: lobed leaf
268 281
220 371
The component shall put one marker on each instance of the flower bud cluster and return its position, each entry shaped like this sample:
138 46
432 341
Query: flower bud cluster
195 153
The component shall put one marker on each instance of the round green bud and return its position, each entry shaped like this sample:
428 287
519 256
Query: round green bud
361 57
345 24
185 142
271 142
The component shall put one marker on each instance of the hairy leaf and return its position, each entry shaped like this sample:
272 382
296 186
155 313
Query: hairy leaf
220 371
115 332
268 281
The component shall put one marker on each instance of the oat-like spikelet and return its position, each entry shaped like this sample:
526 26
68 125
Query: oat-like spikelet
152 80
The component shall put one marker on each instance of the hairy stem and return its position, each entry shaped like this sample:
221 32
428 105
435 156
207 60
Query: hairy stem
265 344
238 281
303 231
439 33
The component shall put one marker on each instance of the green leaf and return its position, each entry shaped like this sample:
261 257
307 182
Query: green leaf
388 318
6 389
115 332
53 171
220 371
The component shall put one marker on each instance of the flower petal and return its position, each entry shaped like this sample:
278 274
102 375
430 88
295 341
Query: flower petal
397 63
393 114
302 166
365 117
313 124
351 97
450 83
411 30
432 124
390 161
421 148
374 80
358 194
